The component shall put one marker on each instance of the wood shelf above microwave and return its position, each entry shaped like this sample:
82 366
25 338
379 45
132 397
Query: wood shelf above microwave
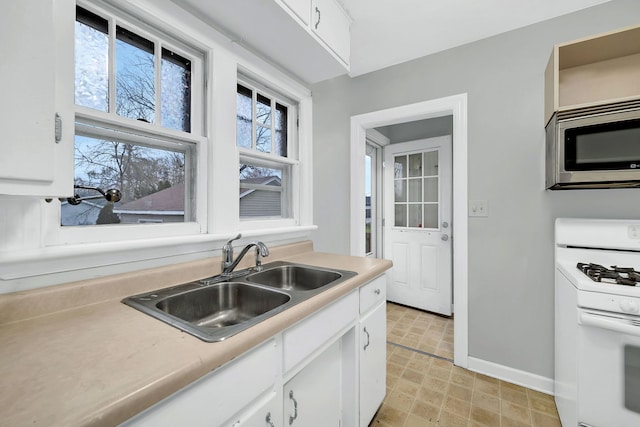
595 70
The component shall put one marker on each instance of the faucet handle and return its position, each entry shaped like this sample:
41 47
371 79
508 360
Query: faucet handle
231 240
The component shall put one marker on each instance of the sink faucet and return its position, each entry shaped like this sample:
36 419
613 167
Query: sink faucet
228 264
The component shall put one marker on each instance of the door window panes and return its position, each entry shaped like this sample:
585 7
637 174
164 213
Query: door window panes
416 190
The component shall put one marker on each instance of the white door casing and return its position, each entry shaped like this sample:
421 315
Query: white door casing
417 232
455 105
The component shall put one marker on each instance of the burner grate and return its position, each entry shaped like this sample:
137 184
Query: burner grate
615 275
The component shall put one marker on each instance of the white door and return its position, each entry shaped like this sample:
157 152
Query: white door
417 231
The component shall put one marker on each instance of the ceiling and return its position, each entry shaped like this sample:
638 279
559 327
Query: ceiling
388 32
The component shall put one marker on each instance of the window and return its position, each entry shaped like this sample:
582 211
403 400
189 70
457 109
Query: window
267 154
134 90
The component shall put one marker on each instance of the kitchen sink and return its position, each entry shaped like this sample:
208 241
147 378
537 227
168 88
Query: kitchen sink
216 308
222 304
295 277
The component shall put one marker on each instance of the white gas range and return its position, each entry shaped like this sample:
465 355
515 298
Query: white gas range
597 322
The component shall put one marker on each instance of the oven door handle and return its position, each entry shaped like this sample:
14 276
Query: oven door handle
617 325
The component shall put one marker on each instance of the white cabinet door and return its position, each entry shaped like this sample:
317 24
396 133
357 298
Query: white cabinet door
36 82
331 24
373 355
301 8
262 414
312 397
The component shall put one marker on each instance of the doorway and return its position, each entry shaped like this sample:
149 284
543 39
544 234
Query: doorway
455 106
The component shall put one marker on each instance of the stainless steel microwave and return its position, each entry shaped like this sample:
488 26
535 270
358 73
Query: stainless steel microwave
597 147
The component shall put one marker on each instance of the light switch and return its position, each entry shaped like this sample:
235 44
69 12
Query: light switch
478 208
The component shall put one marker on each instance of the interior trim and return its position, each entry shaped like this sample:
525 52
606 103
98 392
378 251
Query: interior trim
456 106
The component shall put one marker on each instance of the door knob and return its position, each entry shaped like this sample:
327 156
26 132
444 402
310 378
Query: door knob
444 237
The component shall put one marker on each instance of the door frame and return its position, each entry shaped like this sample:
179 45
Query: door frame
455 106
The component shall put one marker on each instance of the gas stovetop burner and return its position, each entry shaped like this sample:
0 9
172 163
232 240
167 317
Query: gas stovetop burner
616 275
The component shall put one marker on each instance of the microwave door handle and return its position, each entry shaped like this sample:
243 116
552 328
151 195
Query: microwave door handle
620 326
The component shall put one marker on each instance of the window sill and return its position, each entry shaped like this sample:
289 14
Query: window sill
53 265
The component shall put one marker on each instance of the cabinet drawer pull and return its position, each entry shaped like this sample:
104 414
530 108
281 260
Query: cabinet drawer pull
268 420
318 21
377 292
295 408
368 338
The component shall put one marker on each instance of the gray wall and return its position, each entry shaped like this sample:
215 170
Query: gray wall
511 251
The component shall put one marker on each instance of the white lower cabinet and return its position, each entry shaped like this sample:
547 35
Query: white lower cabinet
373 348
215 399
329 369
313 396
261 414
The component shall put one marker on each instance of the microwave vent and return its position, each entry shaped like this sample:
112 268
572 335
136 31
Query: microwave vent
593 110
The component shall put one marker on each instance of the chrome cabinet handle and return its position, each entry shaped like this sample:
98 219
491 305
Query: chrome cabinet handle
368 339
445 224
318 21
295 408
268 420
377 292
445 237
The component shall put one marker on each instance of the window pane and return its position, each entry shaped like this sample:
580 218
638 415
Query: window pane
243 117
415 215
415 190
367 202
400 167
91 60
261 191
400 215
431 163
281 131
431 216
263 110
415 164
151 181
176 91
263 139
135 76
400 190
431 189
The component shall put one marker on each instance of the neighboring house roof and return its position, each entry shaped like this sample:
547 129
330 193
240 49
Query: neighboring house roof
169 201
263 180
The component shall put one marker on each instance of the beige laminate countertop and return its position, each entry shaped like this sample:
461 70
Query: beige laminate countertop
74 355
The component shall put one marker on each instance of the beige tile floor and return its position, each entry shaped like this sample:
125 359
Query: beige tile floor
424 390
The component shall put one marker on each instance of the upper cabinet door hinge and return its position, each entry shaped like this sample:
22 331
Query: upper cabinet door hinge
58 131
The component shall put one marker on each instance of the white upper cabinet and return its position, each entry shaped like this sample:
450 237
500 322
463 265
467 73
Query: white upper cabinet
283 31
331 24
36 82
302 9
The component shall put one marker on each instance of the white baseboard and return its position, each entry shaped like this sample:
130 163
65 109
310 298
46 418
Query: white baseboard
515 376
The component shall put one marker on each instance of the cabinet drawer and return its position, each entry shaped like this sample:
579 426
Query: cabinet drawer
373 293
219 395
310 334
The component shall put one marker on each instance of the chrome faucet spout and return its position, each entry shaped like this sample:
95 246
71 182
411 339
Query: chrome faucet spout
228 264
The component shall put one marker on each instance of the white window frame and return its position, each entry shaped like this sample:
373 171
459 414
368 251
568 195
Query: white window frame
291 189
35 257
57 234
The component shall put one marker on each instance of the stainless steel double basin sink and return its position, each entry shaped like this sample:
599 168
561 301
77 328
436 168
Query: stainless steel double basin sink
216 308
